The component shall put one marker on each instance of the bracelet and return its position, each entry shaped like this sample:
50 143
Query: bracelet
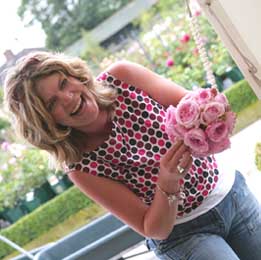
172 197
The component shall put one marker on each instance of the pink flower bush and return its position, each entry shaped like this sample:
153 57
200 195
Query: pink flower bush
170 62
203 120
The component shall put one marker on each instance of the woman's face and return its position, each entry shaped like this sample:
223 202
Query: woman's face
68 101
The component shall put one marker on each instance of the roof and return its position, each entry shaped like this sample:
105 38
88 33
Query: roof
11 62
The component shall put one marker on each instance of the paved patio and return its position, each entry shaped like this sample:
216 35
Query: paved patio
240 156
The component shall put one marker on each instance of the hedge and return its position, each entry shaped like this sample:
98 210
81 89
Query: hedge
240 96
43 218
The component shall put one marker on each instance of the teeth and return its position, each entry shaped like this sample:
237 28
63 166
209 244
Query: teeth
77 106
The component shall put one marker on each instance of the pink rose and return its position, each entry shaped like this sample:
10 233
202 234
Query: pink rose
187 114
212 112
220 146
217 131
221 98
173 129
196 139
203 96
230 121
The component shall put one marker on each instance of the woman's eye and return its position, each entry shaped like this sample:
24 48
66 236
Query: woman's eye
51 105
63 83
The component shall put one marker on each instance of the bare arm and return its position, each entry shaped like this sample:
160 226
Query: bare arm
159 88
155 221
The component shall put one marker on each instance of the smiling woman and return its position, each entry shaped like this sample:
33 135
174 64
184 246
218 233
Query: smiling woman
110 135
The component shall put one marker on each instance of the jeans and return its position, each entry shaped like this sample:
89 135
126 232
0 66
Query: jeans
229 231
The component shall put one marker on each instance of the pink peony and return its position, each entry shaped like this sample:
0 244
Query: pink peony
187 114
212 112
196 139
217 131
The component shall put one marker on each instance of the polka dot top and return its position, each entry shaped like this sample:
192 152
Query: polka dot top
131 154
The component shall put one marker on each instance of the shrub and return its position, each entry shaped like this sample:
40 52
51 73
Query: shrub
44 218
240 96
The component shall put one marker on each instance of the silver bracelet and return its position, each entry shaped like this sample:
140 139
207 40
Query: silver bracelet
172 197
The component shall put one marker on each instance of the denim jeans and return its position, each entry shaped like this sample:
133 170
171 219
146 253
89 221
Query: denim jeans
229 231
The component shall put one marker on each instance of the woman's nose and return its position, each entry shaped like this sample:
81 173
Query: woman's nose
67 97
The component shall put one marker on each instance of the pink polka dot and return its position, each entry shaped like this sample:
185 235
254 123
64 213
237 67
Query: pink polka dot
115 161
181 182
136 164
149 107
124 85
200 171
148 123
124 158
143 159
163 128
119 138
128 124
204 165
118 146
157 157
138 136
160 119
216 178
118 112
141 152
205 193
190 198
93 172
161 142
133 95
154 178
120 98
141 180
146 100
103 76
144 189
123 106
93 164
110 150
200 187
162 113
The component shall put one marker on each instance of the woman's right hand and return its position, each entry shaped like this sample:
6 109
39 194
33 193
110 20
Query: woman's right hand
175 164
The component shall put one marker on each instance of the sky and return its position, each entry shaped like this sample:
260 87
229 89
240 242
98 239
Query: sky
14 34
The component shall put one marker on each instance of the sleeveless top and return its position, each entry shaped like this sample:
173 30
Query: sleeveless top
131 154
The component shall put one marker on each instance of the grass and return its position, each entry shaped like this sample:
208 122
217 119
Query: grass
74 222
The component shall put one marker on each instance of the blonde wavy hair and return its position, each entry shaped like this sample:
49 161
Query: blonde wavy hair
31 118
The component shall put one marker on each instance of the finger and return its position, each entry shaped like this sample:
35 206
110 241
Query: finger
185 158
172 150
185 164
174 161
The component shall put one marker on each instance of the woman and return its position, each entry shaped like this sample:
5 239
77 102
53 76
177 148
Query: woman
109 133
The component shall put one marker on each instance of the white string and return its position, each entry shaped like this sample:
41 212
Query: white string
195 30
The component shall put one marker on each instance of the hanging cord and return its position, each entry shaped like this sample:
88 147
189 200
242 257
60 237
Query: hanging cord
195 30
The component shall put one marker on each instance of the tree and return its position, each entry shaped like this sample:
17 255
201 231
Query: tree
64 21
